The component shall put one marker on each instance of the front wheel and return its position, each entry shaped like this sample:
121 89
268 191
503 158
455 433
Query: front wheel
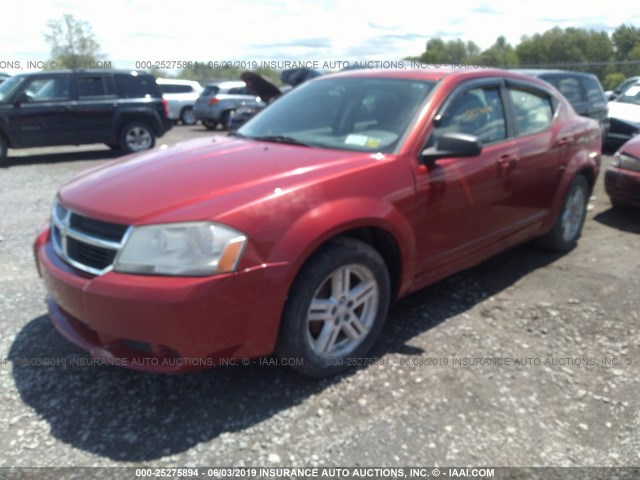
568 227
136 136
335 309
4 151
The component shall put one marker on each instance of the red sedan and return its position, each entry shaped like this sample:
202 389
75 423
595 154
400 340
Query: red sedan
622 178
294 235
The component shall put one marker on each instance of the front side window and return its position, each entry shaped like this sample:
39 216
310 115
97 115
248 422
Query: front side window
47 89
533 111
478 111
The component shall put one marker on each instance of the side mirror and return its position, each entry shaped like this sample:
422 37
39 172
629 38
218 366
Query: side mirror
612 96
22 97
452 145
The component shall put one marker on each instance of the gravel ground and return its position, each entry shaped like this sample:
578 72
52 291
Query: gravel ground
529 359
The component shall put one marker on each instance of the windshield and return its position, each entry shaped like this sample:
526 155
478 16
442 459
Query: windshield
630 95
8 86
363 114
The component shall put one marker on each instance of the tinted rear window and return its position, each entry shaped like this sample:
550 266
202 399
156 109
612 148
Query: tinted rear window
139 86
91 86
567 86
595 95
168 88
210 91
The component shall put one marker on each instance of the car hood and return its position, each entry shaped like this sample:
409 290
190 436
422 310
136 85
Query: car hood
174 183
627 112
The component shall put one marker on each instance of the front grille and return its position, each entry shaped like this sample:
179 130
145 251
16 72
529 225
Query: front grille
90 255
87 244
89 226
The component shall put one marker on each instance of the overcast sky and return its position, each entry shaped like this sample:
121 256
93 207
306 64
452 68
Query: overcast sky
150 30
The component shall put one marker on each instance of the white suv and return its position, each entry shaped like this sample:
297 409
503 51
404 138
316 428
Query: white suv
181 96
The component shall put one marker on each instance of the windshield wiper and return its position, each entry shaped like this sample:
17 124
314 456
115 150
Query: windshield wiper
281 139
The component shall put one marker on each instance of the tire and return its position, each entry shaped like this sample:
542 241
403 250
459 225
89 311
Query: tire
568 227
136 137
346 321
209 124
4 152
225 120
188 116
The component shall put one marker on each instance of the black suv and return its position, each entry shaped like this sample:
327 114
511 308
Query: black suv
583 90
123 109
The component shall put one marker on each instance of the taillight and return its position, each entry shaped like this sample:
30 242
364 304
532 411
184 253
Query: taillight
213 101
165 106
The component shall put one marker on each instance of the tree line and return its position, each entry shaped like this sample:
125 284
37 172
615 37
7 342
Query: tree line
611 57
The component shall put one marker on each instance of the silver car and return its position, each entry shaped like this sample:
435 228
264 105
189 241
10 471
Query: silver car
181 96
219 101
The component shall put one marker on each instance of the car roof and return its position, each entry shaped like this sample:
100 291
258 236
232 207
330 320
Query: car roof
227 84
89 71
437 73
175 81
546 71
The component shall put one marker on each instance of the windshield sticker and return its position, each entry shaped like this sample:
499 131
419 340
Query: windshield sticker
353 139
373 142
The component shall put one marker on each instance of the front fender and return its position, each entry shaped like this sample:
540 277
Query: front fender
319 224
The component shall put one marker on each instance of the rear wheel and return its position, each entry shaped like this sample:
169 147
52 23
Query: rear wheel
136 136
335 309
226 118
188 116
209 124
568 227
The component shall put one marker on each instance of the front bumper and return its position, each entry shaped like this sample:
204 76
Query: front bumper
623 186
164 324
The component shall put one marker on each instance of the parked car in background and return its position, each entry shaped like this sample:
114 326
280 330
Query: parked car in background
268 92
611 94
4 76
123 109
181 96
624 111
583 90
219 101
622 178
294 234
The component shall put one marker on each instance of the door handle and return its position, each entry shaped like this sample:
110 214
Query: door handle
565 141
508 160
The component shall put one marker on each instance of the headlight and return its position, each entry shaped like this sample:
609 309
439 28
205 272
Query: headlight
622 160
189 249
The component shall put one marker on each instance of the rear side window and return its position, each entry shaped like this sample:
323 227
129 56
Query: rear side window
533 111
210 91
595 95
169 88
140 86
569 87
95 86
239 91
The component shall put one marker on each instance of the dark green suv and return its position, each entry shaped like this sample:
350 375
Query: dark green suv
123 109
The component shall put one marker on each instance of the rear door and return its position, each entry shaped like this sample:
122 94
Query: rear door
95 108
544 140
